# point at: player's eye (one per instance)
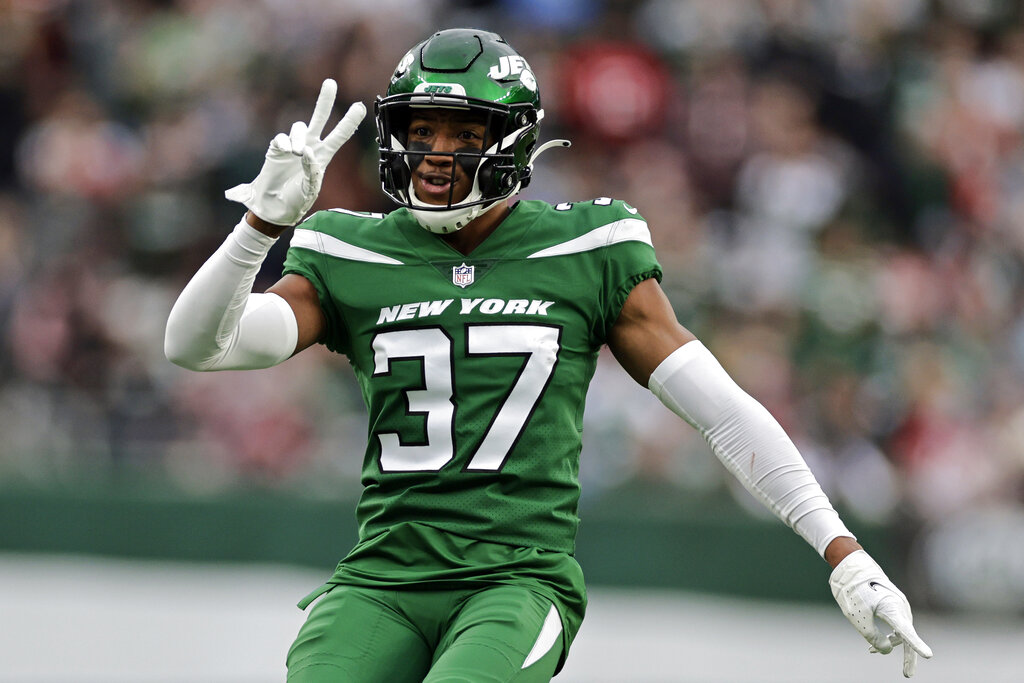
(419, 131)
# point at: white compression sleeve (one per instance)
(217, 324)
(748, 440)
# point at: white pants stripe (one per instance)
(549, 633)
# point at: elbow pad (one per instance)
(218, 324)
(266, 334)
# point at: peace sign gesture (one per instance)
(293, 170)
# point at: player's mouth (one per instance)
(434, 187)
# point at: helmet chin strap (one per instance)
(456, 218)
(444, 222)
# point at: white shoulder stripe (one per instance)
(625, 230)
(332, 246)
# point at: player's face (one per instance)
(436, 177)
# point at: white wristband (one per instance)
(748, 440)
(218, 324)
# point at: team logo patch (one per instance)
(462, 275)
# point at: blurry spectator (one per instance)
(76, 150)
(613, 92)
(796, 179)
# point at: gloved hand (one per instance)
(865, 594)
(293, 171)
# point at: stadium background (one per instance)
(835, 189)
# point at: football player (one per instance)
(473, 326)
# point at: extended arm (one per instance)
(660, 353)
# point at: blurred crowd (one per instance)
(835, 189)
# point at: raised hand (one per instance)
(293, 169)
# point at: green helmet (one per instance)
(463, 69)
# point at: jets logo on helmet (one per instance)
(467, 70)
(437, 90)
(513, 66)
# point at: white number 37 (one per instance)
(537, 344)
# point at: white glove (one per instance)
(290, 179)
(865, 594)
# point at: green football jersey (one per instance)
(474, 369)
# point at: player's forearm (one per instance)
(749, 442)
(217, 324)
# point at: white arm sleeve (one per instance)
(748, 440)
(217, 324)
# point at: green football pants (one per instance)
(365, 635)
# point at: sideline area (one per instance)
(76, 619)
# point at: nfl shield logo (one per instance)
(462, 275)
